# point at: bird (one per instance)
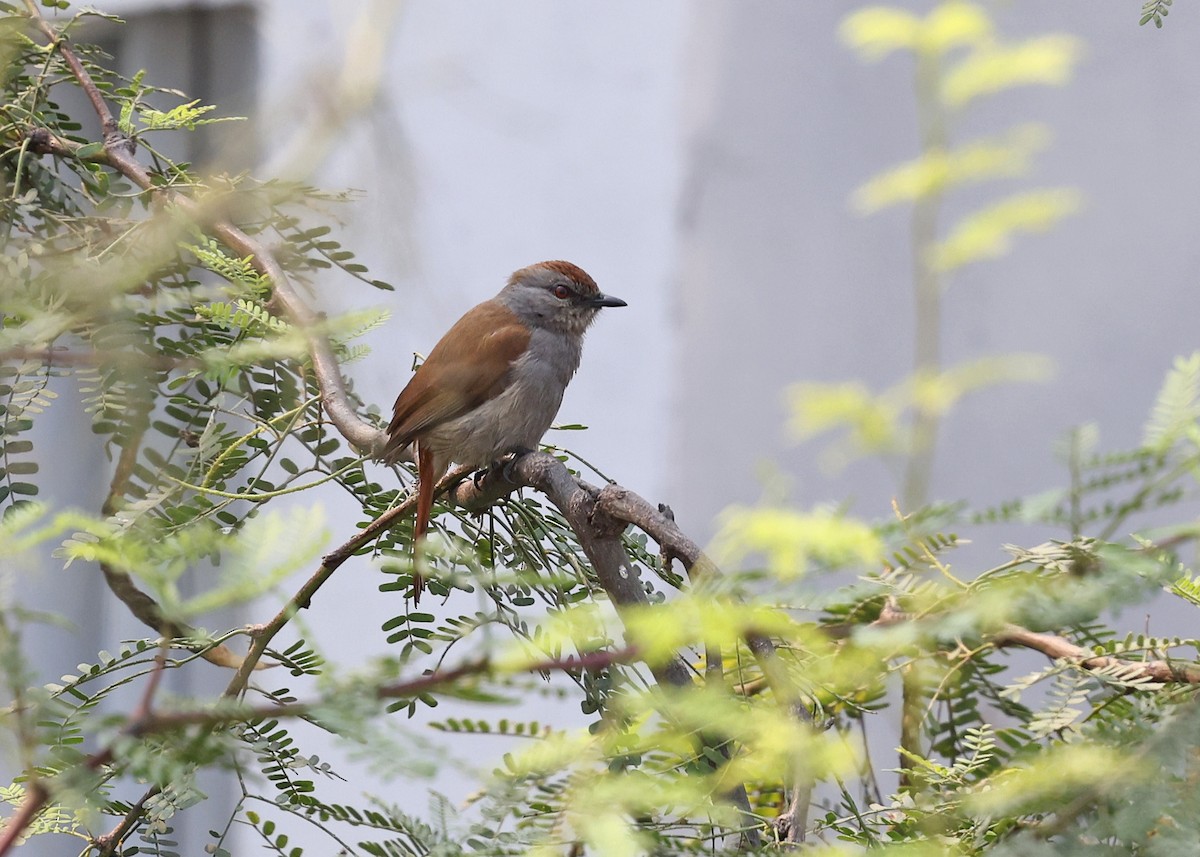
(493, 383)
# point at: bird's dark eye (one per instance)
(562, 292)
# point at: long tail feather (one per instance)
(426, 478)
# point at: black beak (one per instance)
(602, 299)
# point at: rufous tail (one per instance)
(425, 484)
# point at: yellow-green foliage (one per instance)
(1054, 779)
(269, 548)
(876, 423)
(959, 58)
(987, 233)
(877, 31)
(791, 541)
(937, 171)
(958, 41)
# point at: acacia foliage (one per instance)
(206, 402)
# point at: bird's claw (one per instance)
(503, 466)
(509, 462)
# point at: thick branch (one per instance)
(112, 132)
(599, 517)
(43, 142)
(599, 533)
(600, 514)
(659, 524)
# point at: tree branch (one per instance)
(43, 142)
(109, 842)
(599, 532)
(113, 138)
(1060, 648)
(284, 300)
(399, 690)
(143, 721)
(598, 516)
(263, 634)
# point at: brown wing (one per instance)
(467, 367)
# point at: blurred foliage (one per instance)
(206, 401)
(874, 422)
(958, 58)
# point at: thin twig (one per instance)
(263, 634)
(109, 842)
(64, 357)
(1059, 648)
(401, 690)
(144, 722)
(145, 706)
(38, 794)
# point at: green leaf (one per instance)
(1177, 405)
(89, 150)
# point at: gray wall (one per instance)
(778, 281)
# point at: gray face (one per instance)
(555, 295)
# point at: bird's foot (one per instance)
(502, 466)
(509, 461)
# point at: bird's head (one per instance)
(556, 295)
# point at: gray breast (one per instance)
(521, 414)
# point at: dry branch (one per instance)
(1060, 648)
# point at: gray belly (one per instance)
(515, 419)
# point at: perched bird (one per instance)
(492, 385)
